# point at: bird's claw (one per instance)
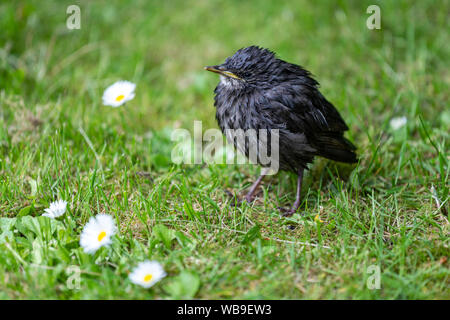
(287, 212)
(238, 201)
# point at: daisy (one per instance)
(147, 273)
(97, 233)
(56, 209)
(118, 93)
(398, 122)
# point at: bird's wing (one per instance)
(302, 108)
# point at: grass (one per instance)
(58, 141)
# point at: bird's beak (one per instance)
(222, 71)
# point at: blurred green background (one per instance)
(163, 45)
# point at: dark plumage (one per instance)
(259, 91)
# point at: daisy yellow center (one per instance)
(101, 236)
(120, 98)
(148, 277)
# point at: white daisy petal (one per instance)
(97, 233)
(147, 273)
(118, 93)
(56, 209)
(398, 122)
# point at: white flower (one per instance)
(397, 123)
(56, 209)
(97, 233)
(118, 93)
(147, 273)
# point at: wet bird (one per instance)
(258, 91)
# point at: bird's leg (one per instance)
(296, 205)
(251, 193)
(250, 196)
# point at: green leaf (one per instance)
(26, 211)
(6, 226)
(63, 254)
(37, 251)
(164, 234)
(40, 227)
(184, 286)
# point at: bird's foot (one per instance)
(287, 212)
(238, 201)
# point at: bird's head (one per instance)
(251, 66)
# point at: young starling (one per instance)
(259, 91)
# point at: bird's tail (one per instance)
(335, 147)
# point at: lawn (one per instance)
(388, 213)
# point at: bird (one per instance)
(259, 91)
